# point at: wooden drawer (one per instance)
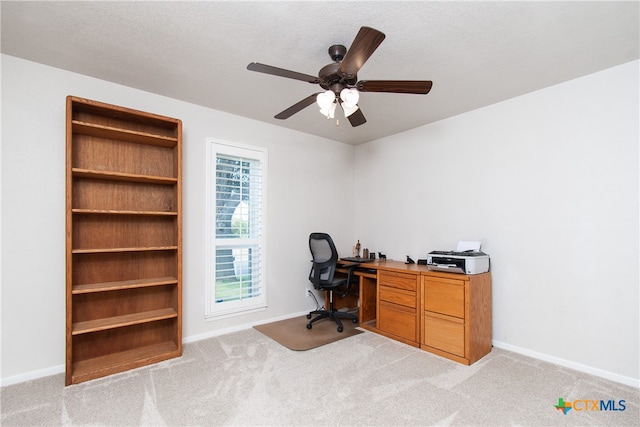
(444, 333)
(398, 296)
(398, 320)
(444, 296)
(404, 281)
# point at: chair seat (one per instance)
(333, 285)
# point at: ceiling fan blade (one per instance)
(420, 87)
(281, 72)
(357, 118)
(297, 107)
(366, 42)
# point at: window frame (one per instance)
(212, 308)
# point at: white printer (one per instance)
(465, 262)
(466, 259)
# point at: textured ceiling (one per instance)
(476, 53)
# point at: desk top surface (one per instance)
(387, 265)
(400, 266)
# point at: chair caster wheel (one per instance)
(309, 316)
(308, 325)
(340, 329)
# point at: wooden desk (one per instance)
(444, 313)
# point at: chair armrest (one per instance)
(350, 267)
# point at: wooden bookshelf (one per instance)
(124, 239)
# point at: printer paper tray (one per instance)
(448, 269)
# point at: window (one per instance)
(236, 211)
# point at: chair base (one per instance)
(331, 314)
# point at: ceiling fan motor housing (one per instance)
(330, 76)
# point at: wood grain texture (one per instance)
(123, 239)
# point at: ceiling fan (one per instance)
(340, 80)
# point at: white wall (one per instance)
(549, 183)
(33, 210)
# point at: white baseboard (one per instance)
(33, 375)
(633, 382)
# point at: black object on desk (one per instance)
(356, 259)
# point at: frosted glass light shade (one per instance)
(325, 99)
(349, 97)
(330, 111)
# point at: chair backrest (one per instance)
(325, 258)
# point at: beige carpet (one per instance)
(293, 333)
(247, 379)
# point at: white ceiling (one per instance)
(476, 53)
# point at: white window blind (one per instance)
(236, 231)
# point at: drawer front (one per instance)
(444, 334)
(404, 281)
(398, 320)
(398, 296)
(445, 297)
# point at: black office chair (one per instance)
(325, 259)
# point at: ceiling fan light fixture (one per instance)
(325, 99)
(330, 111)
(349, 97)
(327, 104)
